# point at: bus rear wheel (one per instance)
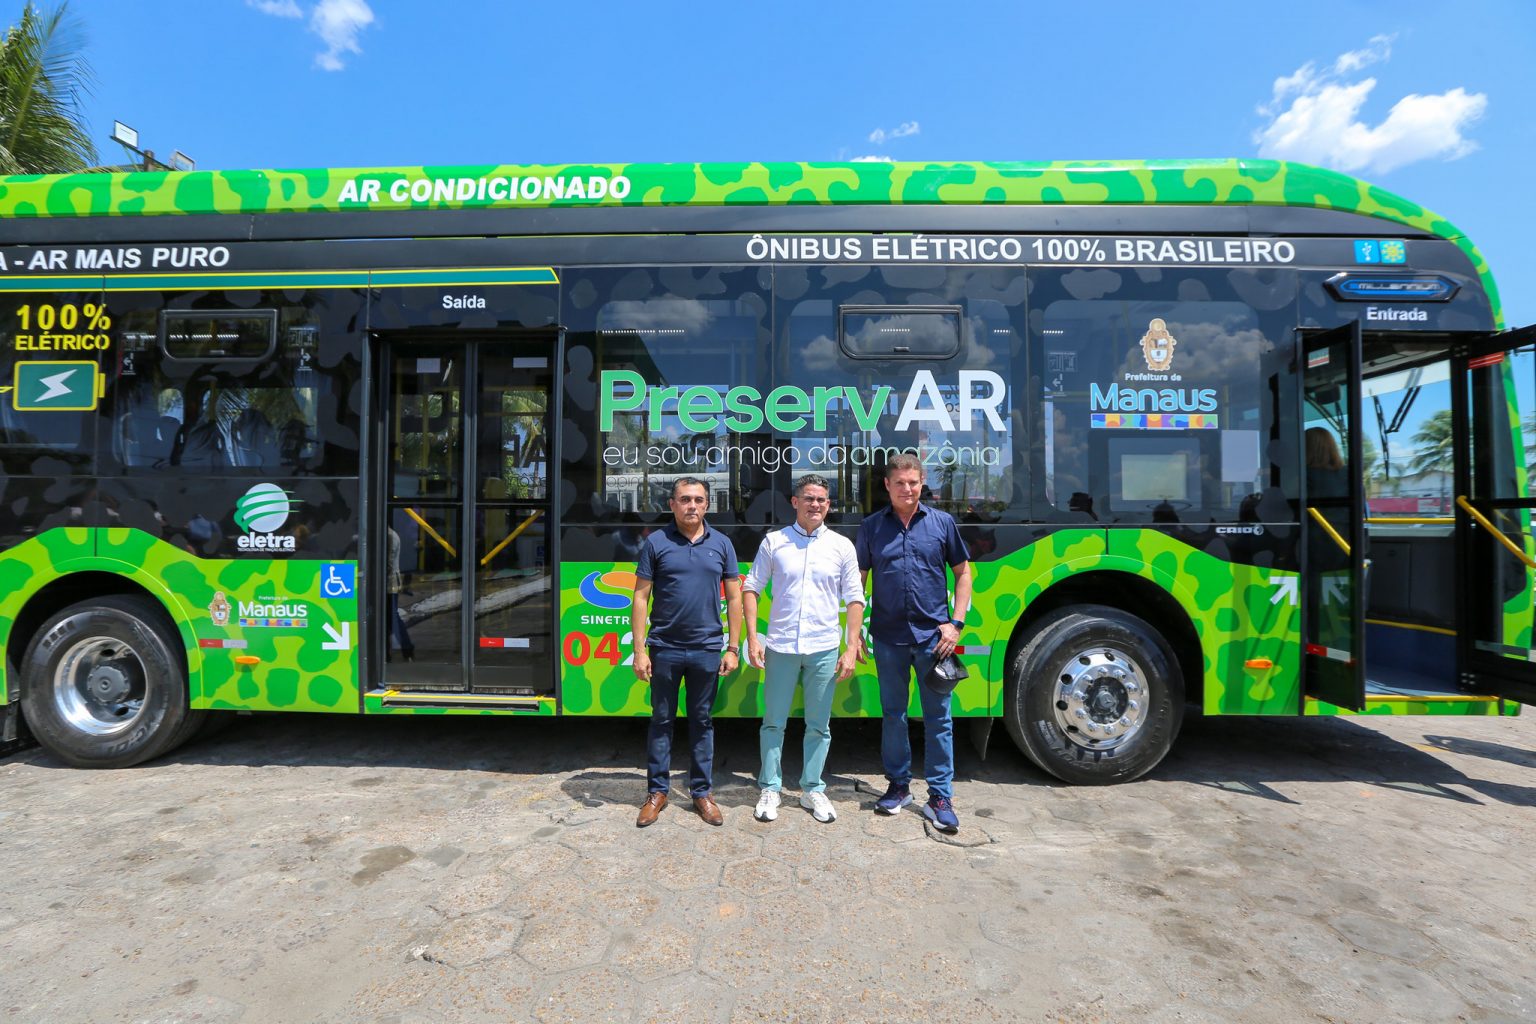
(1095, 696)
(104, 686)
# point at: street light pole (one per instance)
(128, 138)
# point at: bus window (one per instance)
(1155, 411)
(219, 414)
(34, 438)
(1406, 444)
(949, 399)
(669, 349)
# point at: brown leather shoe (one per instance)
(708, 809)
(651, 809)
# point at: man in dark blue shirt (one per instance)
(685, 565)
(906, 549)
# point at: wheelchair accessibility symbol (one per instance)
(338, 580)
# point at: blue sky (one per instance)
(1434, 101)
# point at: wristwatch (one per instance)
(732, 650)
(957, 623)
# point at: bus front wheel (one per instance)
(1095, 696)
(104, 685)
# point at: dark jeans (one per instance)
(698, 671)
(896, 664)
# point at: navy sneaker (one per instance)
(941, 812)
(896, 797)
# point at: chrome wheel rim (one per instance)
(99, 686)
(1100, 698)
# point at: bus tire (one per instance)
(104, 684)
(1095, 696)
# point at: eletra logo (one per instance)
(261, 512)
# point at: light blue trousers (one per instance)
(781, 674)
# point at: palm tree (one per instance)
(1371, 470)
(43, 76)
(1433, 448)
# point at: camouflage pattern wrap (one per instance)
(1090, 183)
(1474, 706)
(374, 704)
(1233, 609)
(597, 658)
(1231, 606)
(294, 672)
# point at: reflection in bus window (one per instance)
(1406, 441)
(1153, 408)
(958, 413)
(219, 415)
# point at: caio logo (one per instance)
(260, 513)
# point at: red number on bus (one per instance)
(608, 648)
(578, 648)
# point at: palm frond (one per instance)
(43, 77)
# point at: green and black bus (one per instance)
(1240, 434)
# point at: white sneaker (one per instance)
(767, 806)
(820, 807)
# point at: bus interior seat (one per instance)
(146, 438)
(200, 446)
(253, 440)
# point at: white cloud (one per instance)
(880, 136)
(277, 8)
(1314, 117)
(338, 23)
(1377, 51)
(874, 159)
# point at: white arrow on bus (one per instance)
(1285, 587)
(338, 641)
(55, 385)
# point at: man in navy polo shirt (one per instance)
(684, 566)
(906, 548)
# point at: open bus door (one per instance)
(1493, 386)
(1333, 519)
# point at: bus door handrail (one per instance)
(509, 538)
(1328, 527)
(1498, 535)
(431, 532)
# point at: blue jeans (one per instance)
(698, 671)
(895, 663)
(781, 674)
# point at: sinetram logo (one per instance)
(261, 512)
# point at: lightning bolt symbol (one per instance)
(55, 385)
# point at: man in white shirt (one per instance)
(814, 573)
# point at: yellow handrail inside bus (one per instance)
(509, 538)
(1328, 527)
(1498, 535)
(432, 533)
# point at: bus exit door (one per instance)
(1493, 389)
(1333, 519)
(466, 551)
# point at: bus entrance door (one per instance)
(467, 548)
(1333, 520)
(1492, 380)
